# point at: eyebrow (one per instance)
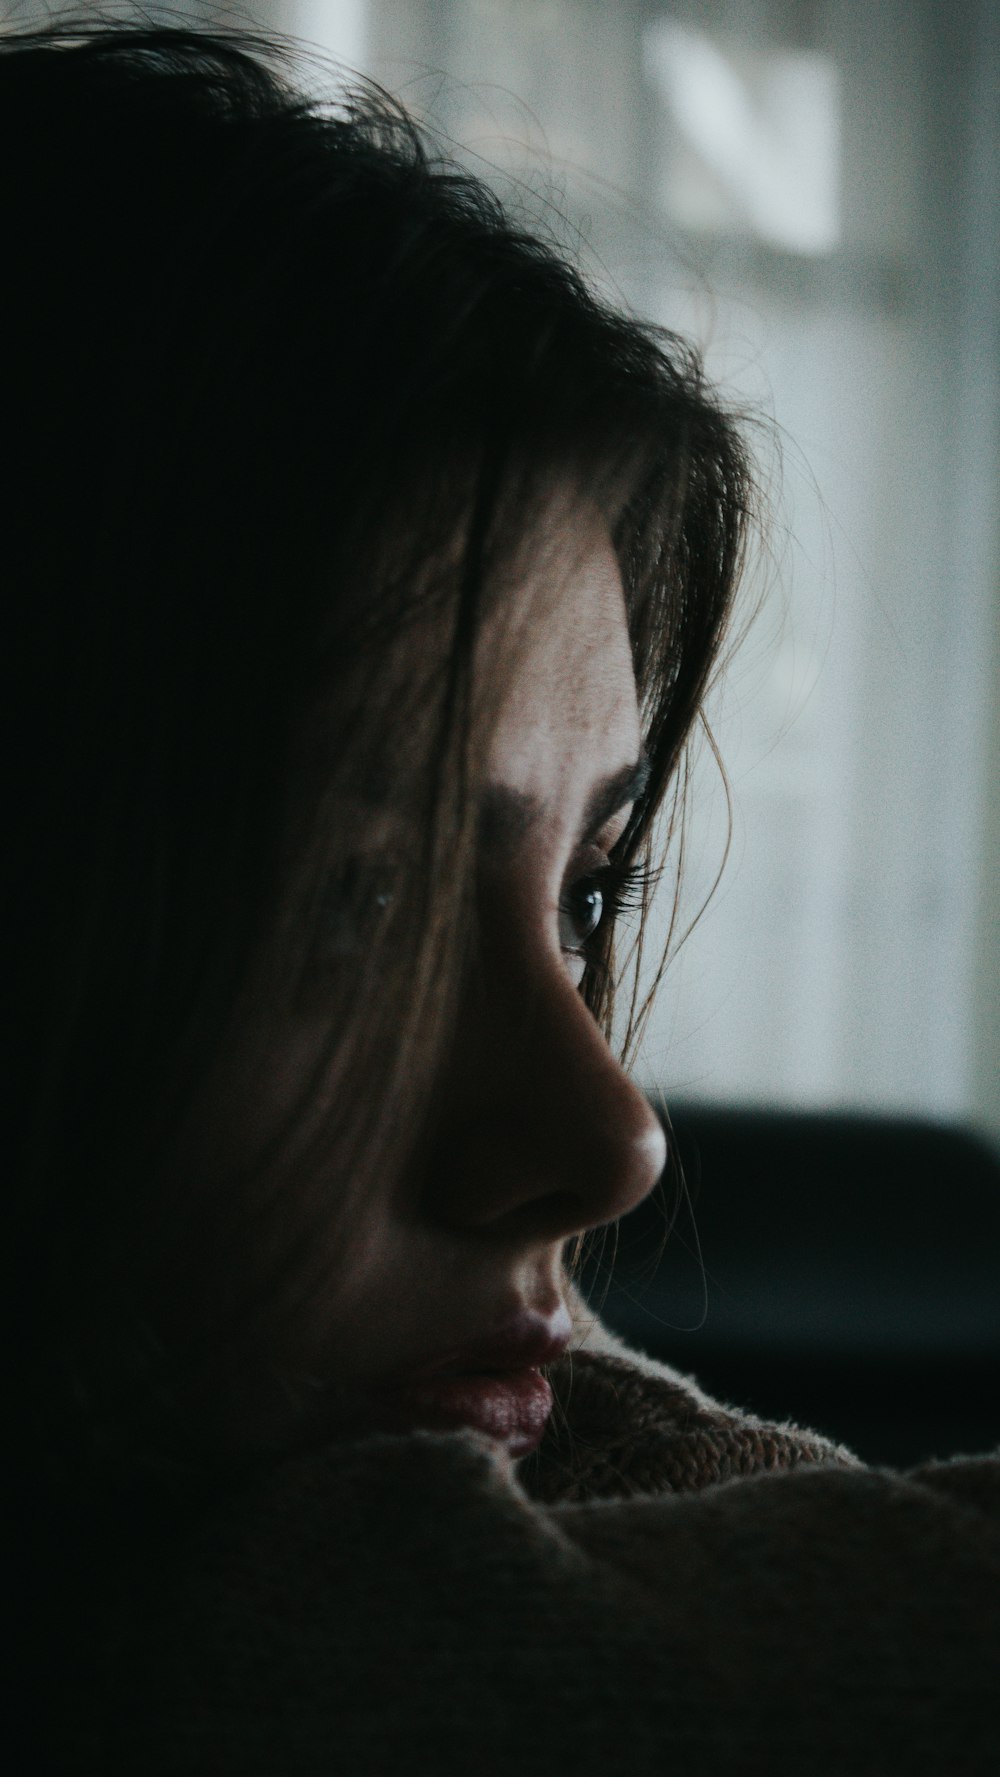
(506, 815)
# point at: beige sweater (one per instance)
(668, 1587)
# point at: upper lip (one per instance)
(523, 1341)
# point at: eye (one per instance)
(355, 903)
(580, 913)
(595, 901)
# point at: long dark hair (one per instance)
(286, 397)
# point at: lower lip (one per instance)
(512, 1406)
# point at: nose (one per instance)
(543, 1135)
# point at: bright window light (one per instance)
(338, 27)
(761, 138)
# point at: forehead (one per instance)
(555, 686)
(571, 697)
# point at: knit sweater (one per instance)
(668, 1586)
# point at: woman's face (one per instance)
(446, 1290)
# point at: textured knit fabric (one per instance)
(667, 1587)
(619, 1430)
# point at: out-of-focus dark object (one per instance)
(840, 1270)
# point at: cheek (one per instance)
(328, 1215)
(256, 1098)
(245, 1195)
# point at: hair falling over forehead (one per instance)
(289, 400)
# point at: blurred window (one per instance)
(755, 138)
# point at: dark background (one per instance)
(841, 1271)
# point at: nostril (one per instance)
(503, 1187)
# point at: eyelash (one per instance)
(621, 886)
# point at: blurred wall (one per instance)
(984, 1089)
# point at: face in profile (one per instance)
(444, 1289)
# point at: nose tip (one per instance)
(649, 1157)
(623, 1154)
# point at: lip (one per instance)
(492, 1384)
(511, 1406)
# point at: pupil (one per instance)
(585, 917)
(594, 905)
